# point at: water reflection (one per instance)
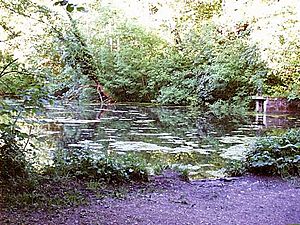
(175, 135)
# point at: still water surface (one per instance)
(178, 136)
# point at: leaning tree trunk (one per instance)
(84, 59)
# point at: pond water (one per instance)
(178, 136)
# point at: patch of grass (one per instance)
(235, 168)
(93, 185)
(72, 180)
(47, 194)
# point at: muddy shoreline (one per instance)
(167, 199)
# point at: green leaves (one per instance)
(61, 3)
(82, 164)
(276, 155)
(80, 9)
(70, 7)
(272, 155)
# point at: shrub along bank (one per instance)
(272, 155)
(69, 180)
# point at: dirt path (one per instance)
(169, 200)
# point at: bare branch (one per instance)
(14, 71)
(5, 67)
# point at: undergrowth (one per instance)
(73, 178)
(113, 168)
(272, 155)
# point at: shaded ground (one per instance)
(169, 200)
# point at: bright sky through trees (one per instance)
(176, 36)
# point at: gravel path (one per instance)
(169, 200)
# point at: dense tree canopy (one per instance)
(212, 53)
(172, 52)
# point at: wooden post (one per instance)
(260, 106)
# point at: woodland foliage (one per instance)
(168, 52)
(272, 155)
(172, 52)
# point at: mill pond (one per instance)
(196, 142)
(179, 137)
